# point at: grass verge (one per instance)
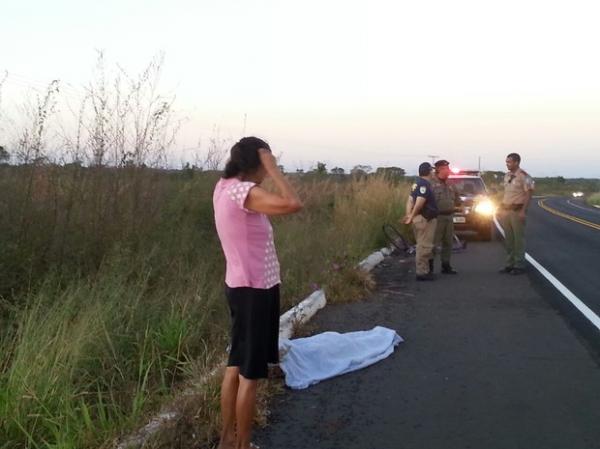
(111, 292)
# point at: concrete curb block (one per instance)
(305, 310)
(387, 251)
(299, 314)
(371, 261)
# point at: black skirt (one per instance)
(254, 329)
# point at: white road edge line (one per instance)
(581, 207)
(578, 303)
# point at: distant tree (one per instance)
(337, 171)
(393, 172)
(361, 170)
(321, 168)
(282, 168)
(299, 171)
(74, 164)
(188, 170)
(40, 160)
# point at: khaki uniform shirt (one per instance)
(446, 196)
(516, 187)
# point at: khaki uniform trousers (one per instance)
(424, 234)
(514, 230)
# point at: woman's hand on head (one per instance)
(286, 201)
(267, 160)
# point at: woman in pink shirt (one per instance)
(252, 281)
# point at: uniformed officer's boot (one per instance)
(447, 269)
(431, 265)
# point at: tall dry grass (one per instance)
(111, 289)
(341, 224)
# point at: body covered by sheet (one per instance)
(307, 361)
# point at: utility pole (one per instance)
(479, 165)
(433, 158)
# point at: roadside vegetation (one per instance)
(111, 283)
(557, 185)
(594, 199)
(566, 186)
(111, 274)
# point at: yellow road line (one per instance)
(568, 217)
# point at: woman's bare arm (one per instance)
(286, 201)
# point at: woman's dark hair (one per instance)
(244, 156)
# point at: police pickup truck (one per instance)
(476, 212)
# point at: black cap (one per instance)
(425, 168)
(441, 163)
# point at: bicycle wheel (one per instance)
(395, 238)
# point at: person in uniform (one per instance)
(446, 198)
(518, 188)
(421, 211)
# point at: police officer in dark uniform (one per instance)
(447, 198)
(421, 211)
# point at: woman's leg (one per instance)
(245, 407)
(229, 393)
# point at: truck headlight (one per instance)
(485, 207)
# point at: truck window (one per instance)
(468, 186)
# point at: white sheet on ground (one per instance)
(308, 361)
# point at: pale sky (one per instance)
(344, 82)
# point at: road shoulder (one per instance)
(487, 362)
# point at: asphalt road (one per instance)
(488, 362)
(566, 247)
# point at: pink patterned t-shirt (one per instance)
(246, 237)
